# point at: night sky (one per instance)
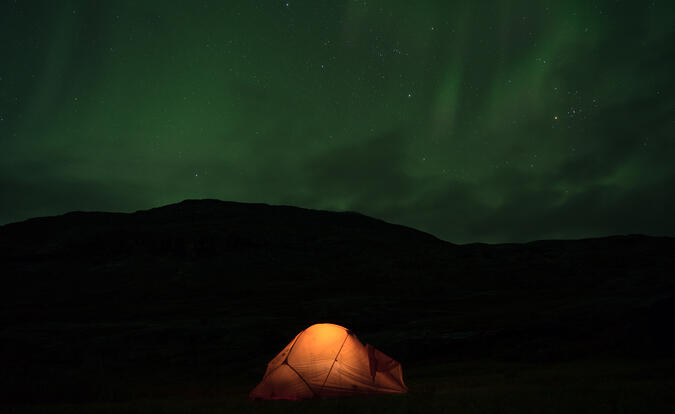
(491, 121)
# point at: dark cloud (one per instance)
(367, 174)
(25, 198)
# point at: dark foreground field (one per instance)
(609, 386)
(178, 309)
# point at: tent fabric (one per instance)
(327, 360)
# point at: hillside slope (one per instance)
(213, 289)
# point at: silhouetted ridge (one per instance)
(199, 227)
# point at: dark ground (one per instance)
(179, 308)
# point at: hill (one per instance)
(113, 306)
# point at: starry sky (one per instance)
(482, 121)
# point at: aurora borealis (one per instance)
(475, 121)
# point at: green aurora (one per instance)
(490, 121)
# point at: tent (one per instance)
(327, 360)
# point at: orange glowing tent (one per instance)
(327, 360)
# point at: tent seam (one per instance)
(295, 341)
(334, 360)
(303, 380)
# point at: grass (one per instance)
(612, 386)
